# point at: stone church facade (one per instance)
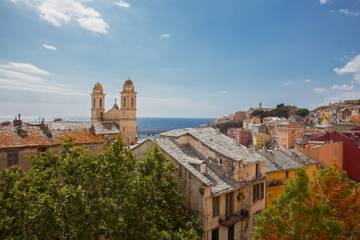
(124, 116)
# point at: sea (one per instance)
(144, 123)
(166, 124)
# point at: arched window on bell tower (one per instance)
(94, 102)
(100, 102)
(132, 102)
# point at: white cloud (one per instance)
(307, 80)
(350, 95)
(59, 12)
(29, 78)
(223, 92)
(349, 12)
(321, 90)
(343, 87)
(122, 4)
(24, 68)
(322, 2)
(50, 47)
(289, 83)
(165, 35)
(351, 67)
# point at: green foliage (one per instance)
(326, 209)
(225, 126)
(302, 112)
(259, 113)
(78, 195)
(281, 110)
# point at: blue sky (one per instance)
(202, 58)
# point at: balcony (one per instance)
(234, 218)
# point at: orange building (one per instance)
(286, 134)
(327, 153)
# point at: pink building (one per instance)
(242, 136)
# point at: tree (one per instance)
(78, 195)
(259, 113)
(155, 197)
(225, 126)
(343, 197)
(328, 208)
(302, 112)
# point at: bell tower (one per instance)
(128, 109)
(97, 102)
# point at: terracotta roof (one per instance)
(34, 136)
(80, 137)
(10, 138)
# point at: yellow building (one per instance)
(355, 114)
(280, 167)
(261, 139)
(325, 117)
(256, 120)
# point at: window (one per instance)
(94, 102)
(215, 234)
(132, 102)
(258, 192)
(124, 101)
(100, 102)
(229, 204)
(221, 161)
(12, 158)
(216, 205)
(257, 171)
(231, 233)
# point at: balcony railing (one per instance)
(234, 218)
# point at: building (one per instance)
(19, 141)
(325, 152)
(258, 128)
(242, 136)
(286, 134)
(261, 140)
(280, 167)
(124, 117)
(350, 150)
(249, 122)
(222, 181)
(355, 114)
(239, 116)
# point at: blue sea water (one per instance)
(161, 124)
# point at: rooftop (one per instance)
(192, 161)
(279, 161)
(52, 133)
(218, 142)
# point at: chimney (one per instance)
(17, 121)
(203, 168)
(45, 128)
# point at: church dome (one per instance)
(98, 87)
(128, 83)
(128, 86)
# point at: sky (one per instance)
(203, 58)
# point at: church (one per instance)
(124, 116)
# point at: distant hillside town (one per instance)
(329, 134)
